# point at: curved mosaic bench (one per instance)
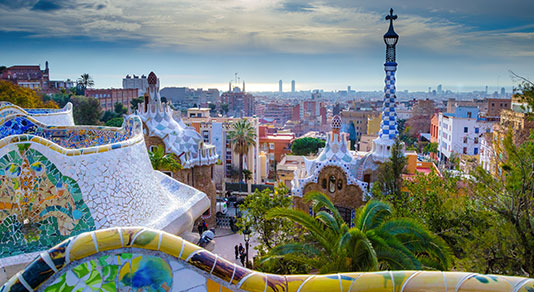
(138, 259)
(52, 191)
(71, 137)
(58, 117)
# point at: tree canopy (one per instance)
(86, 110)
(23, 97)
(378, 241)
(306, 146)
(242, 135)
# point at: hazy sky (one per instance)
(462, 44)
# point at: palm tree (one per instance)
(86, 81)
(247, 174)
(162, 161)
(242, 136)
(376, 242)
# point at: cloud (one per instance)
(47, 5)
(270, 26)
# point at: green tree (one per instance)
(61, 98)
(86, 81)
(247, 175)
(23, 97)
(242, 136)
(86, 110)
(115, 122)
(511, 196)
(108, 115)
(134, 103)
(431, 148)
(306, 146)
(224, 108)
(120, 109)
(162, 161)
(389, 178)
(377, 242)
(525, 92)
(212, 107)
(269, 231)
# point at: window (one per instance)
(332, 184)
(476, 130)
(152, 148)
(475, 151)
(465, 150)
(469, 115)
(323, 183)
(339, 184)
(465, 140)
(476, 140)
(465, 129)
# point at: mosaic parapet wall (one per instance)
(138, 259)
(57, 117)
(92, 178)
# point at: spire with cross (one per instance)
(388, 126)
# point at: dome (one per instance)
(152, 78)
(336, 122)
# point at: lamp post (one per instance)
(246, 236)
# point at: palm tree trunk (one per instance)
(240, 167)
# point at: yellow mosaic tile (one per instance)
(485, 283)
(83, 246)
(373, 282)
(255, 282)
(322, 283)
(430, 280)
(188, 249)
(294, 281)
(171, 244)
(108, 239)
(147, 239)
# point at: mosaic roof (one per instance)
(179, 139)
(335, 153)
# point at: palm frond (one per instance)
(315, 228)
(373, 214)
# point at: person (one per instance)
(200, 228)
(242, 258)
(241, 248)
(236, 249)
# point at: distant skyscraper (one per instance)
(429, 89)
(440, 91)
(486, 89)
(348, 89)
(292, 85)
(280, 86)
(503, 91)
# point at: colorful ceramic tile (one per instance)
(39, 206)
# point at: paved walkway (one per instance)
(225, 240)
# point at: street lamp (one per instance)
(246, 236)
(391, 38)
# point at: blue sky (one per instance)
(463, 45)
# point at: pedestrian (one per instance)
(242, 258)
(241, 248)
(200, 229)
(236, 248)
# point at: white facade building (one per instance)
(140, 83)
(461, 132)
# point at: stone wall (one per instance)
(348, 196)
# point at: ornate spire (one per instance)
(388, 126)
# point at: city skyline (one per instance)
(319, 45)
